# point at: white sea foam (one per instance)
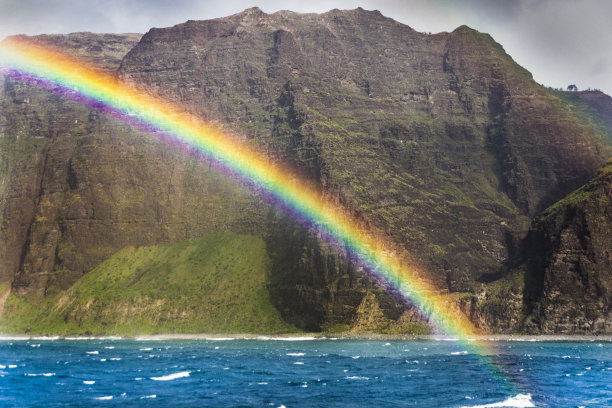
(148, 396)
(46, 338)
(89, 382)
(2, 367)
(219, 338)
(93, 352)
(34, 345)
(304, 338)
(262, 383)
(108, 397)
(146, 349)
(355, 357)
(110, 347)
(456, 353)
(80, 338)
(171, 377)
(519, 401)
(37, 375)
(12, 366)
(356, 377)
(299, 363)
(102, 359)
(115, 358)
(295, 354)
(14, 338)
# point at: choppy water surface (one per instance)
(300, 373)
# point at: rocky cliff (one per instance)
(441, 141)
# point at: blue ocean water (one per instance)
(268, 372)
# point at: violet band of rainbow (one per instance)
(368, 248)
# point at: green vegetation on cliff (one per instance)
(216, 284)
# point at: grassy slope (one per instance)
(214, 284)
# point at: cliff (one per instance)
(441, 141)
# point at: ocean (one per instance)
(302, 372)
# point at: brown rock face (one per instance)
(439, 141)
(570, 269)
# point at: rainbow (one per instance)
(367, 247)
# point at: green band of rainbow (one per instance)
(369, 247)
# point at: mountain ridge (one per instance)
(449, 157)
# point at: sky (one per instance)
(561, 42)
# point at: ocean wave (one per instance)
(173, 376)
(295, 354)
(304, 338)
(108, 397)
(519, 401)
(46, 338)
(356, 377)
(457, 353)
(220, 338)
(148, 396)
(14, 338)
(39, 375)
(89, 382)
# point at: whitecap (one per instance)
(355, 357)
(36, 375)
(148, 396)
(387, 344)
(173, 376)
(108, 397)
(138, 378)
(115, 358)
(519, 401)
(262, 383)
(12, 366)
(110, 347)
(2, 367)
(89, 382)
(356, 377)
(298, 363)
(146, 349)
(456, 353)
(295, 354)
(34, 345)
(93, 352)
(103, 359)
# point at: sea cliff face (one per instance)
(440, 141)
